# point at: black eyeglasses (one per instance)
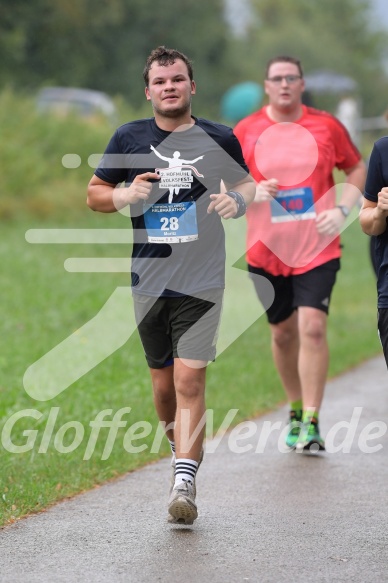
(290, 79)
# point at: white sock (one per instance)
(185, 470)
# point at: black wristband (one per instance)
(241, 204)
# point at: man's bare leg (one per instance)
(164, 397)
(189, 432)
(313, 356)
(285, 351)
(190, 410)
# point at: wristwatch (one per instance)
(344, 209)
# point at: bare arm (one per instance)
(266, 190)
(226, 206)
(246, 188)
(331, 221)
(108, 198)
(373, 216)
(355, 182)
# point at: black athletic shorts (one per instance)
(382, 325)
(181, 327)
(311, 289)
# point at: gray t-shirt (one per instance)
(178, 247)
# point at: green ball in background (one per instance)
(241, 100)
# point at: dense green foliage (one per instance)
(339, 36)
(34, 179)
(103, 45)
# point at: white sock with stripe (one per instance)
(185, 470)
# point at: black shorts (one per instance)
(311, 289)
(382, 325)
(181, 327)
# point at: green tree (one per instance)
(103, 45)
(324, 34)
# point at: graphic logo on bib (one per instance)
(179, 173)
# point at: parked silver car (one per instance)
(85, 102)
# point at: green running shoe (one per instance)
(294, 424)
(309, 440)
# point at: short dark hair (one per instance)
(166, 57)
(284, 59)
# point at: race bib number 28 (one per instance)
(171, 223)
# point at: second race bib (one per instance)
(296, 203)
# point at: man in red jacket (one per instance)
(293, 232)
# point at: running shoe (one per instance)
(182, 508)
(294, 431)
(310, 440)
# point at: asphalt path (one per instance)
(265, 515)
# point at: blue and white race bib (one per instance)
(171, 223)
(296, 203)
